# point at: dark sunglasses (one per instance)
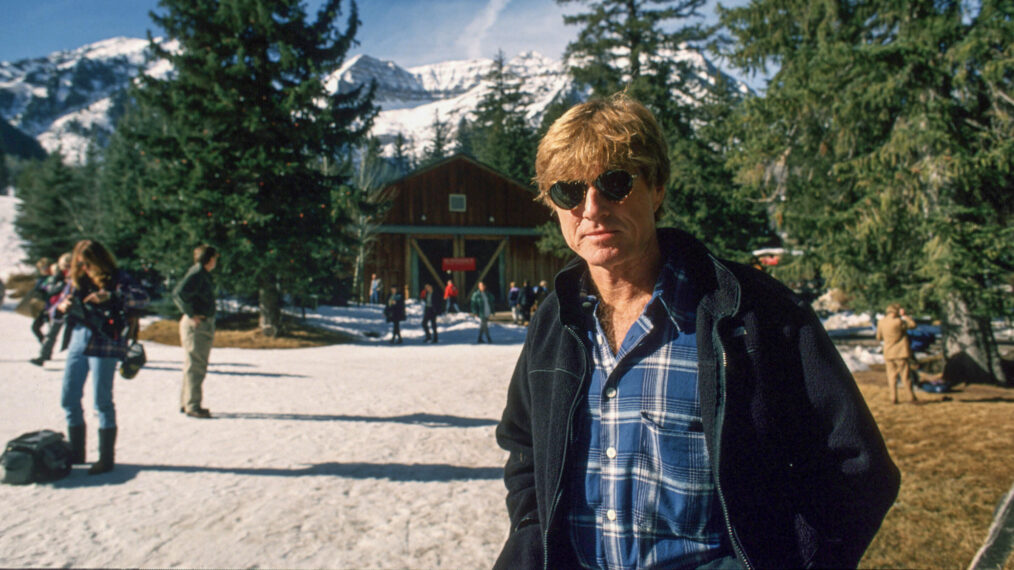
(615, 185)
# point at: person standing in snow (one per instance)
(526, 300)
(94, 303)
(450, 298)
(669, 409)
(431, 308)
(57, 281)
(892, 330)
(41, 291)
(195, 297)
(513, 296)
(376, 285)
(394, 313)
(482, 306)
(540, 291)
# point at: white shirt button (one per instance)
(611, 515)
(611, 393)
(611, 452)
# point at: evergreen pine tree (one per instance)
(246, 130)
(401, 158)
(123, 182)
(367, 206)
(57, 207)
(703, 197)
(437, 148)
(884, 143)
(464, 138)
(621, 41)
(502, 138)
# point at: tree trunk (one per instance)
(970, 348)
(270, 309)
(357, 275)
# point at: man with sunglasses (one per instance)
(670, 409)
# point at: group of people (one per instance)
(524, 299)
(480, 305)
(48, 287)
(95, 303)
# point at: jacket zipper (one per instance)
(736, 546)
(566, 444)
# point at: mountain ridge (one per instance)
(70, 98)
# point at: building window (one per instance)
(458, 203)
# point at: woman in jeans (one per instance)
(94, 303)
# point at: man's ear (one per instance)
(659, 197)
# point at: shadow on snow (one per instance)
(415, 472)
(428, 420)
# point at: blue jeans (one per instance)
(74, 374)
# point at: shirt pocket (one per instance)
(678, 490)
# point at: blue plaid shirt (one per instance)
(641, 490)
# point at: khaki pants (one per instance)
(896, 367)
(196, 338)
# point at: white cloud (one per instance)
(475, 32)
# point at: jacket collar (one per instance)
(715, 284)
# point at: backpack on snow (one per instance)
(36, 457)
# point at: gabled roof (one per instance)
(460, 157)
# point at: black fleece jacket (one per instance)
(803, 475)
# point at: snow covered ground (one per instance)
(12, 253)
(356, 456)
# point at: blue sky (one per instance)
(408, 32)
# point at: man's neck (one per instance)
(623, 294)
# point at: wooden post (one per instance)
(426, 262)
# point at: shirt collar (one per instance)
(675, 294)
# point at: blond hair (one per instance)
(598, 135)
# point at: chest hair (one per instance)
(616, 321)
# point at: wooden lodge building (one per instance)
(460, 219)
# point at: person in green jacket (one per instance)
(482, 307)
(195, 296)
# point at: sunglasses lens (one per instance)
(615, 184)
(567, 195)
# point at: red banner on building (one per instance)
(458, 264)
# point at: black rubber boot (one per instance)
(107, 442)
(76, 439)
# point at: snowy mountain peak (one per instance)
(70, 98)
(396, 88)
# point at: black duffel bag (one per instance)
(133, 361)
(36, 457)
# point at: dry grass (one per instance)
(240, 331)
(19, 284)
(956, 461)
(17, 287)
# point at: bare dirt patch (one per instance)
(241, 331)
